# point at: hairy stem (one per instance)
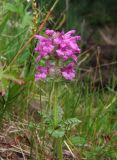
(58, 142)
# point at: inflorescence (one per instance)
(59, 51)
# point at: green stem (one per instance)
(58, 142)
(55, 109)
(60, 151)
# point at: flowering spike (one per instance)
(59, 47)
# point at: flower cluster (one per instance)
(59, 50)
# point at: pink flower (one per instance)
(49, 32)
(42, 73)
(70, 32)
(68, 72)
(67, 45)
(44, 46)
(64, 53)
(60, 47)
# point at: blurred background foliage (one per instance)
(96, 13)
